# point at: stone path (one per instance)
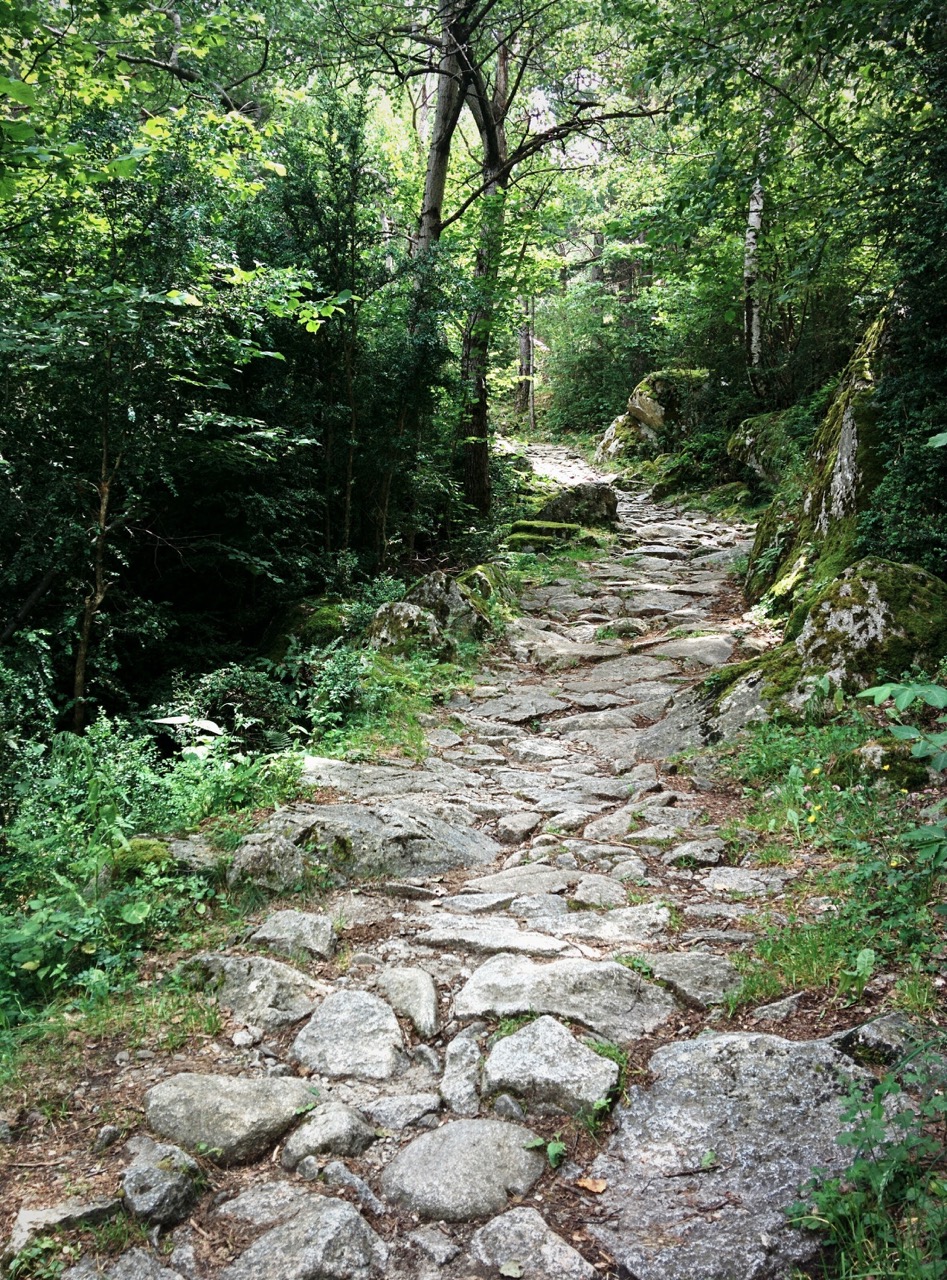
(550, 895)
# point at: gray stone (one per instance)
(887, 1039)
(778, 1011)
(352, 1033)
(269, 861)
(330, 1129)
(139, 1264)
(520, 1243)
(297, 933)
(538, 904)
(614, 826)
(544, 1063)
(531, 750)
(400, 627)
(507, 1108)
(335, 1174)
(738, 880)
(30, 1223)
(402, 1110)
(161, 1183)
(459, 1085)
(606, 997)
(476, 904)
(265, 1204)
(698, 977)
(769, 1110)
(705, 852)
(518, 708)
(621, 927)
(411, 992)
(328, 1240)
(392, 840)
(229, 1119)
(599, 891)
(513, 828)
(708, 651)
(533, 878)
(466, 1169)
(591, 503)
(265, 993)
(438, 1247)
(443, 738)
(107, 1136)
(629, 869)
(484, 935)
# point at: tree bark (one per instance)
(451, 88)
(525, 339)
(752, 327)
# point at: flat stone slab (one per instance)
(698, 977)
(465, 1169)
(352, 1033)
(519, 1243)
(537, 750)
(537, 878)
(621, 927)
(486, 935)
(260, 992)
(601, 995)
(264, 1204)
(599, 891)
(704, 852)
(753, 884)
(544, 1063)
(328, 1239)
(329, 1129)
(476, 904)
(297, 933)
(227, 1118)
(512, 828)
(709, 651)
(412, 993)
(521, 708)
(769, 1110)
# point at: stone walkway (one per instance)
(549, 897)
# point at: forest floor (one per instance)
(520, 1027)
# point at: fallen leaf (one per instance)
(511, 1268)
(597, 1185)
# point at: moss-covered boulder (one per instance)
(455, 607)
(661, 411)
(584, 504)
(887, 764)
(544, 535)
(405, 628)
(811, 537)
(877, 619)
(762, 444)
(488, 585)
(314, 623)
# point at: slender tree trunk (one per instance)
(96, 596)
(451, 88)
(752, 327)
(525, 339)
(532, 366)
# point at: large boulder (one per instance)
(402, 627)
(707, 1159)
(811, 537)
(585, 504)
(761, 443)
(454, 606)
(877, 617)
(355, 840)
(661, 410)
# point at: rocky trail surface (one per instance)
(540, 906)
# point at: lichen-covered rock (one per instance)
(539, 534)
(259, 991)
(402, 627)
(313, 622)
(161, 1183)
(455, 608)
(585, 504)
(762, 445)
(661, 410)
(810, 539)
(878, 616)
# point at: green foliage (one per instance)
(887, 1216)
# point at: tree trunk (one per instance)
(752, 328)
(525, 339)
(451, 89)
(93, 601)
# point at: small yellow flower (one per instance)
(886, 767)
(816, 771)
(895, 862)
(811, 818)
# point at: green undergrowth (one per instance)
(869, 898)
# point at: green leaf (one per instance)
(938, 441)
(135, 912)
(19, 91)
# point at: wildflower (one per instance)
(811, 818)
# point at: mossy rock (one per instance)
(455, 607)
(661, 411)
(775, 531)
(488, 584)
(844, 466)
(531, 542)
(547, 529)
(314, 623)
(877, 620)
(886, 764)
(762, 444)
(141, 852)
